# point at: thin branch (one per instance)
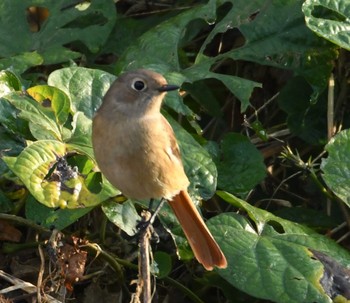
(23, 285)
(41, 272)
(144, 259)
(22, 221)
(330, 107)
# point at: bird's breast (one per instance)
(135, 156)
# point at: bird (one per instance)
(136, 149)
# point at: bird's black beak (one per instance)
(168, 87)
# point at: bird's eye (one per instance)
(139, 85)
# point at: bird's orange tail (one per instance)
(204, 247)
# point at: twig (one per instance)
(113, 261)
(41, 272)
(330, 107)
(144, 277)
(144, 259)
(257, 111)
(330, 121)
(20, 284)
(22, 221)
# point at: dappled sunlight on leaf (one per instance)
(336, 166)
(329, 19)
(261, 261)
(63, 187)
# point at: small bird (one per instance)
(136, 149)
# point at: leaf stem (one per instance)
(23, 221)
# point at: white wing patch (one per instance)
(172, 156)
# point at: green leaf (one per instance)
(306, 119)
(203, 94)
(9, 118)
(316, 219)
(336, 167)
(129, 29)
(43, 120)
(10, 145)
(81, 134)
(173, 226)
(199, 166)
(241, 88)
(292, 45)
(329, 19)
(270, 258)
(62, 26)
(165, 59)
(43, 170)
(52, 218)
(174, 100)
(5, 204)
(163, 264)
(52, 100)
(242, 165)
(85, 87)
(9, 82)
(21, 62)
(275, 34)
(123, 215)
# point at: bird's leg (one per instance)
(150, 204)
(156, 211)
(144, 224)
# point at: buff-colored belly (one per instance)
(140, 165)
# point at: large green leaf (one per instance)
(42, 121)
(123, 215)
(58, 218)
(329, 19)
(172, 225)
(127, 30)
(53, 100)
(272, 258)
(81, 134)
(277, 36)
(5, 203)
(306, 120)
(199, 166)
(85, 87)
(241, 166)
(165, 59)
(22, 61)
(9, 118)
(163, 56)
(336, 166)
(48, 113)
(10, 145)
(43, 169)
(9, 82)
(90, 24)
